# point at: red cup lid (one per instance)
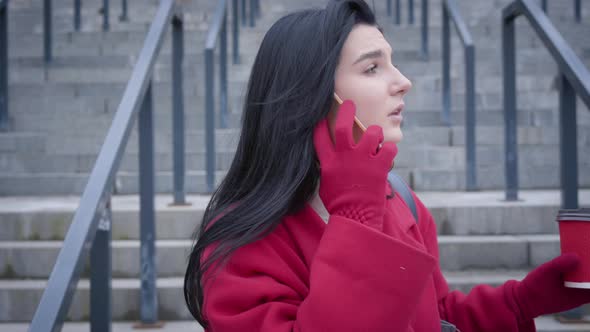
(582, 214)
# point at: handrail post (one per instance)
(578, 10)
(223, 121)
(100, 273)
(424, 30)
(411, 12)
(105, 15)
(47, 30)
(398, 14)
(178, 111)
(388, 7)
(77, 8)
(236, 32)
(4, 115)
(568, 144)
(252, 13)
(244, 17)
(149, 295)
(123, 16)
(210, 119)
(470, 119)
(257, 6)
(509, 74)
(446, 66)
(544, 5)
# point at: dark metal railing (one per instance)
(574, 79)
(47, 21)
(91, 224)
(123, 17)
(450, 12)
(105, 13)
(4, 115)
(218, 30)
(577, 9)
(424, 21)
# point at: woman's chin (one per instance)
(394, 136)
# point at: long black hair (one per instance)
(274, 171)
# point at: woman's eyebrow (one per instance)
(369, 55)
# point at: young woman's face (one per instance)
(366, 76)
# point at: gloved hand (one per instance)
(542, 291)
(353, 176)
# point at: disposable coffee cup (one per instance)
(574, 236)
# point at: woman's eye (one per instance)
(371, 70)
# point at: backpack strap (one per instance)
(402, 188)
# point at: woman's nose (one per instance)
(401, 84)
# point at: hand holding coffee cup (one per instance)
(574, 235)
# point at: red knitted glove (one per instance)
(542, 291)
(353, 176)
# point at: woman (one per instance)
(305, 234)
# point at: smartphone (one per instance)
(357, 132)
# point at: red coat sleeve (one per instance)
(359, 280)
(484, 308)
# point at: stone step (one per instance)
(427, 138)
(485, 213)
(492, 178)
(405, 38)
(93, 116)
(74, 183)
(543, 324)
(120, 70)
(535, 107)
(488, 104)
(406, 41)
(169, 326)
(14, 142)
(420, 179)
(431, 83)
(22, 296)
(120, 44)
(94, 127)
(411, 156)
(35, 259)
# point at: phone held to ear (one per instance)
(356, 120)
(359, 124)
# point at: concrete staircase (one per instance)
(482, 240)
(61, 114)
(74, 99)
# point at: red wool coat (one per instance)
(344, 276)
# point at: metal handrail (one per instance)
(105, 13)
(4, 115)
(424, 21)
(218, 30)
(574, 79)
(47, 22)
(91, 224)
(450, 12)
(577, 9)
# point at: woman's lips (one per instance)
(396, 114)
